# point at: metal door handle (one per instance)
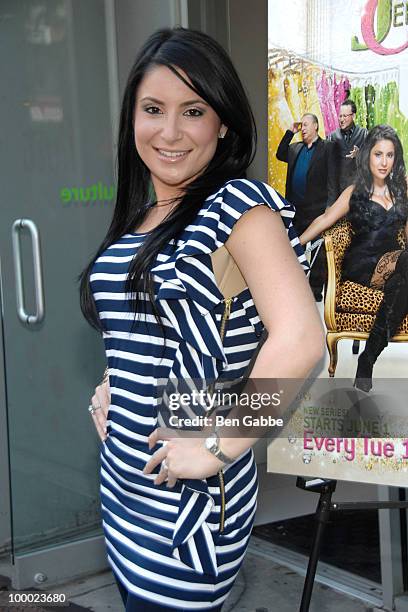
(18, 225)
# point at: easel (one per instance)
(325, 505)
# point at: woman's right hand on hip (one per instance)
(101, 401)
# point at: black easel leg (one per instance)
(322, 518)
(404, 535)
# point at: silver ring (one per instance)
(92, 409)
(164, 464)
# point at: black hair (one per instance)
(350, 103)
(314, 117)
(396, 180)
(213, 77)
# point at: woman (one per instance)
(178, 512)
(377, 207)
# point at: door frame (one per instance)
(5, 497)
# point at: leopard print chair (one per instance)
(349, 308)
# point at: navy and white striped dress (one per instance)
(165, 545)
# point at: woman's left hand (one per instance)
(183, 457)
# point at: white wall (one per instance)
(286, 24)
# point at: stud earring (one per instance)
(221, 134)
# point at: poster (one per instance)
(320, 53)
(341, 433)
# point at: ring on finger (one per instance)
(165, 464)
(92, 409)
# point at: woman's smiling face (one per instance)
(382, 159)
(176, 132)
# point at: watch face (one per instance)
(211, 443)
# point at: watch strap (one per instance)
(222, 457)
(215, 450)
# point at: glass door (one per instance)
(57, 197)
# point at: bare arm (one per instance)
(283, 299)
(261, 249)
(332, 214)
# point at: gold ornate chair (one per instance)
(349, 308)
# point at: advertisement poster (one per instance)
(320, 54)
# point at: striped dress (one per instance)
(167, 545)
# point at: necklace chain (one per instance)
(155, 204)
(384, 193)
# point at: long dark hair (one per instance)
(396, 180)
(214, 78)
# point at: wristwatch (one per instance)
(212, 444)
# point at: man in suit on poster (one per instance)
(348, 140)
(311, 183)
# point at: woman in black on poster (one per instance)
(377, 207)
